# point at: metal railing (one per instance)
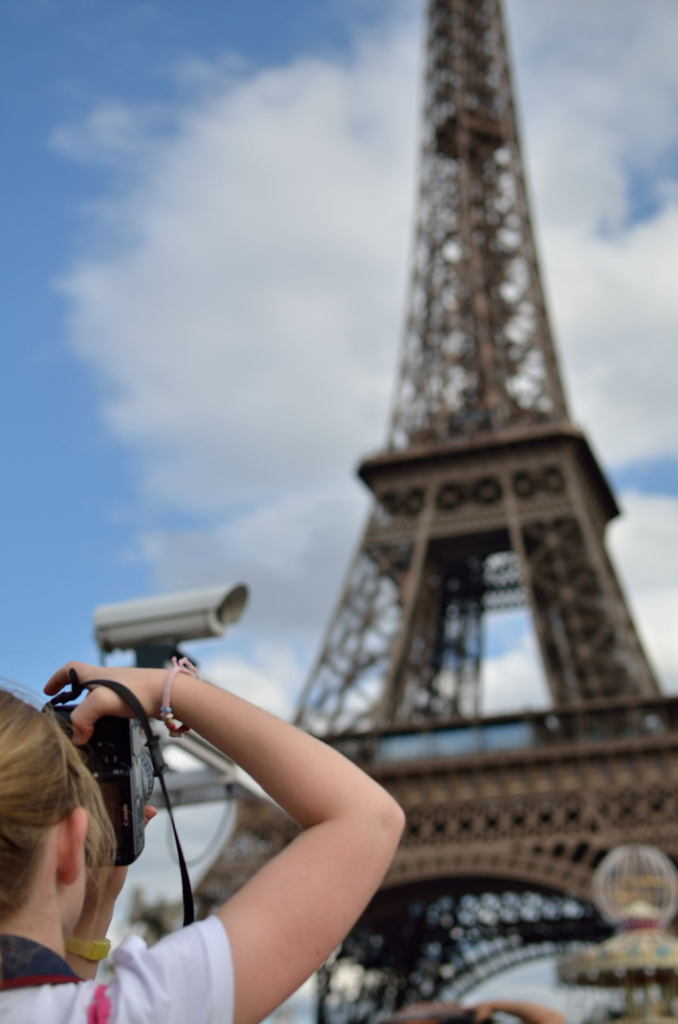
(590, 723)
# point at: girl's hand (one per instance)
(104, 890)
(483, 1012)
(145, 683)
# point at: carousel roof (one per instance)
(649, 952)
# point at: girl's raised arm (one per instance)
(292, 914)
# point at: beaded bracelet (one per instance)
(174, 727)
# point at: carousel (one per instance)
(634, 975)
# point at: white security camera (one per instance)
(169, 618)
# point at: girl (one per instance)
(235, 966)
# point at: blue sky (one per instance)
(207, 211)
(71, 504)
(74, 510)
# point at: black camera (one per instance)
(118, 758)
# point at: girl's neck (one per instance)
(40, 918)
(50, 912)
(47, 932)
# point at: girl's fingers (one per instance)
(149, 813)
(145, 683)
(99, 702)
(62, 678)
(57, 681)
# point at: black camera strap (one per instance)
(157, 760)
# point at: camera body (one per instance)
(118, 758)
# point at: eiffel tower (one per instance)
(487, 497)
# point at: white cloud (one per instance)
(618, 317)
(599, 92)
(292, 552)
(265, 678)
(644, 542)
(245, 327)
(112, 134)
(515, 679)
(601, 70)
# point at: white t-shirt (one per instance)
(186, 978)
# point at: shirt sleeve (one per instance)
(187, 976)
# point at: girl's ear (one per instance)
(70, 849)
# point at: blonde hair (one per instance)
(43, 777)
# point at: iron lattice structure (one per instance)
(486, 487)
(486, 497)
(473, 930)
